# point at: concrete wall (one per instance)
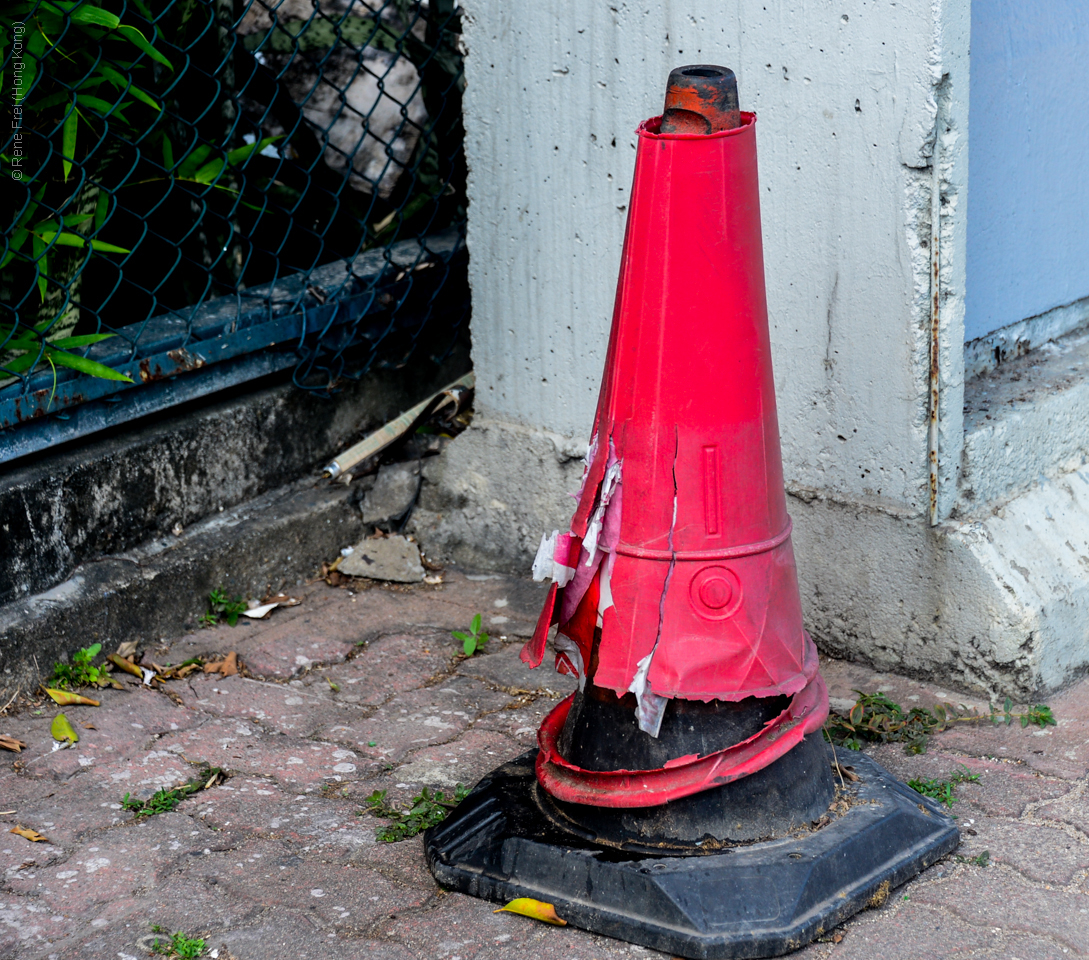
(846, 96)
(863, 137)
(1028, 220)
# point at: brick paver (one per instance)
(358, 690)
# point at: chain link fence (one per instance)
(207, 191)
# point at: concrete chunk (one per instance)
(391, 558)
(393, 492)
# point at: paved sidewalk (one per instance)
(353, 692)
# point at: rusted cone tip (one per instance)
(702, 99)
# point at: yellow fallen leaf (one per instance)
(537, 909)
(122, 664)
(62, 729)
(66, 699)
(31, 835)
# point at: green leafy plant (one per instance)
(50, 232)
(179, 945)
(84, 71)
(33, 349)
(220, 606)
(427, 810)
(474, 640)
(981, 860)
(875, 718)
(79, 78)
(943, 790)
(28, 345)
(205, 165)
(165, 801)
(80, 672)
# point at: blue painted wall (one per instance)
(1028, 160)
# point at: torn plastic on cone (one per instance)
(683, 776)
(681, 531)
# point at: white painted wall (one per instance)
(845, 95)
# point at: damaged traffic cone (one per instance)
(688, 772)
(682, 618)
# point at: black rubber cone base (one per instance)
(762, 899)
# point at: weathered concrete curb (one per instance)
(160, 588)
(110, 494)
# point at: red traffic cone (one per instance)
(680, 546)
(682, 798)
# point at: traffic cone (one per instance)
(680, 544)
(693, 745)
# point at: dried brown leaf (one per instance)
(282, 599)
(10, 743)
(226, 667)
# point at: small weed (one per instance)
(943, 789)
(427, 810)
(474, 640)
(164, 801)
(979, 861)
(79, 673)
(187, 948)
(875, 718)
(220, 606)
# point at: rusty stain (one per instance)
(39, 403)
(935, 372)
(186, 360)
(182, 359)
(935, 340)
